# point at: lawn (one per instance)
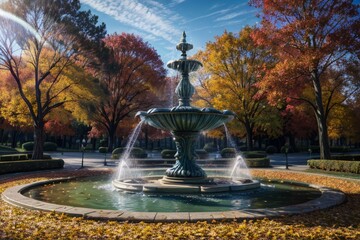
(341, 222)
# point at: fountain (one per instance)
(185, 123)
(93, 197)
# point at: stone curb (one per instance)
(328, 198)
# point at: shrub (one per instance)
(103, 143)
(271, 149)
(103, 149)
(28, 146)
(119, 150)
(168, 153)
(14, 157)
(201, 153)
(135, 153)
(228, 152)
(254, 154)
(210, 147)
(257, 162)
(48, 146)
(21, 156)
(335, 165)
(30, 165)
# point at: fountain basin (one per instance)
(183, 119)
(187, 65)
(95, 200)
(184, 185)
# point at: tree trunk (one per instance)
(249, 137)
(321, 119)
(323, 138)
(39, 138)
(13, 139)
(111, 140)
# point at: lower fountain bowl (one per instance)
(170, 185)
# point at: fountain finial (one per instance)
(183, 46)
(183, 37)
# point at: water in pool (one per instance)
(98, 193)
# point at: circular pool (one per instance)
(95, 198)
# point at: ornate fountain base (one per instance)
(185, 166)
(172, 185)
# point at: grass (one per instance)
(335, 174)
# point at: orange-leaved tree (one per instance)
(310, 39)
(233, 66)
(39, 40)
(132, 74)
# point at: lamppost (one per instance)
(286, 156)
(105, 163)
(83, 146)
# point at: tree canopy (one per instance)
(233, 66)
(312, 40)
(42, 62)
(132, 74)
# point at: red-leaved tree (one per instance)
(311, 38)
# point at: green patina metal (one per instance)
(184, 121)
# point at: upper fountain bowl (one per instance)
(185, 118)
(187, 65)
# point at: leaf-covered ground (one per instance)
(341, 222)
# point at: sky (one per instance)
(161, 22)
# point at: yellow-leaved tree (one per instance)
(233, 66)
(42, 51)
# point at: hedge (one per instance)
(48, 146)
(30, 165)
(228, 152)
(21, 156)
(103, 149)
(271, 149)
(170, 153)
(335, 165)
(210, 147)
(135, 153)
(257, 162)
(254, 154)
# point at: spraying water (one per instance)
(124, 170)
(239, 169)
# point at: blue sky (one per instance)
(161, 22)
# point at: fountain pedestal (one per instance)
(185, 156)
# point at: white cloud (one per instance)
(152, 18)
(234, 15)
(176, 2)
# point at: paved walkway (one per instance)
(296, 161)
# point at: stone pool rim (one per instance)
(329, 198)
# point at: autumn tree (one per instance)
(52, 36)
(131, 75)
(311, 39)
(233, 66)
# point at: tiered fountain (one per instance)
(185, 122)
